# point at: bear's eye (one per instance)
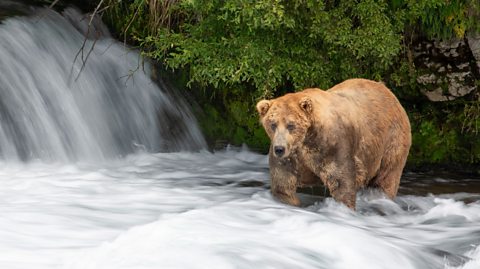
(273, 126)
(290, 126)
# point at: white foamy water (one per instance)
(204, 210)
(64, 209)
(64, 98)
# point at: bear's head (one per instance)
(286, 121)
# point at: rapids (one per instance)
(101, 168)
(214, 210)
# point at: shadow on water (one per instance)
(443, 183)
(417, 184)
(417, 195)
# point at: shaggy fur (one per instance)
(351, 136)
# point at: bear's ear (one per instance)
(262, 107)
(306, 104)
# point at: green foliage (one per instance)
(269, 43)
(445, 19)
(471, 118)
(238, 51)
(129, 18)
(445, 133)
(232, 120)
(432, 144)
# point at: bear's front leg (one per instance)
(283, 182)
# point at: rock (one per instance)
(436, 95)
(449, 71)
(474, 44)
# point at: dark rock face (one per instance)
(449, 69)
(10, 8)
(474, 44)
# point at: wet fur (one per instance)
(351, 136)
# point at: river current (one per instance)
(102, 168)
(214, 210)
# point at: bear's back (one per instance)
(376, 114)
(368, 97)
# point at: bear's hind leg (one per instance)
(388, 178)
(388, 182)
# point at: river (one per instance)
(214, 210)
(92, 176)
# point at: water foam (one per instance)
(173, 210)
(197, 210)
(58, 105)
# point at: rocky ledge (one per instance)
(449, 69)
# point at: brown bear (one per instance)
(351, 136)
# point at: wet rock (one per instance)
(450, 68)
(436, 95)
(474, 44)
(9, 8)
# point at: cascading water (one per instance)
(177, 209)
(60, 101)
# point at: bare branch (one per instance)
(129, 24)
(84, 60)
(81, 50)
(53, 3)
(95, 12)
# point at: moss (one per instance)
(229, 119)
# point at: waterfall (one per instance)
(61, 101)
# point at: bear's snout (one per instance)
(279, 150)
(280, 145)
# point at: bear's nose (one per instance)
(279, 150)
